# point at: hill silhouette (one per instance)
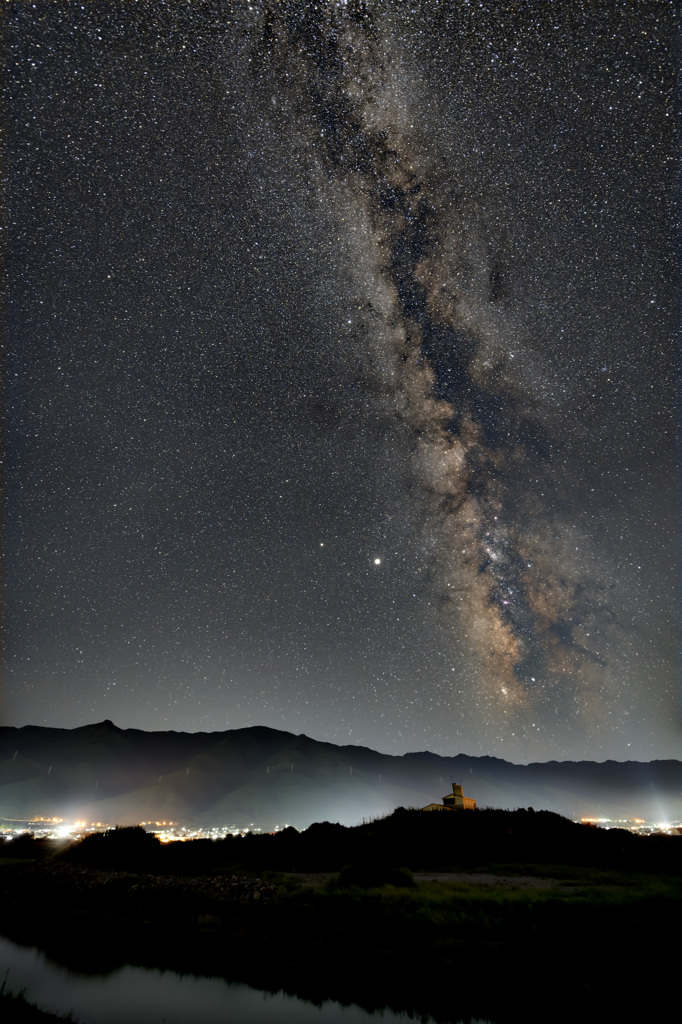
(265, 777)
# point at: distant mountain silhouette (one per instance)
(265, 777)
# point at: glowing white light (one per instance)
(377, 561)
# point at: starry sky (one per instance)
(340, 371)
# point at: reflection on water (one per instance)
(138, 995)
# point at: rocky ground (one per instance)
(233, 888)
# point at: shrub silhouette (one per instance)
(130, 849)
(25, 846)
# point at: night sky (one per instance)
(340, 376)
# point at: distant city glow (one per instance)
(173, 831)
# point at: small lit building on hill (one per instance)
(453, 802)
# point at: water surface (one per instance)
(141, 995)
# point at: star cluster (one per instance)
(340, 372)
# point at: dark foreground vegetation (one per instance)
(553, 920)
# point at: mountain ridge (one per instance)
(265, 777)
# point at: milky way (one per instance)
(518, 598)
(449, 360)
